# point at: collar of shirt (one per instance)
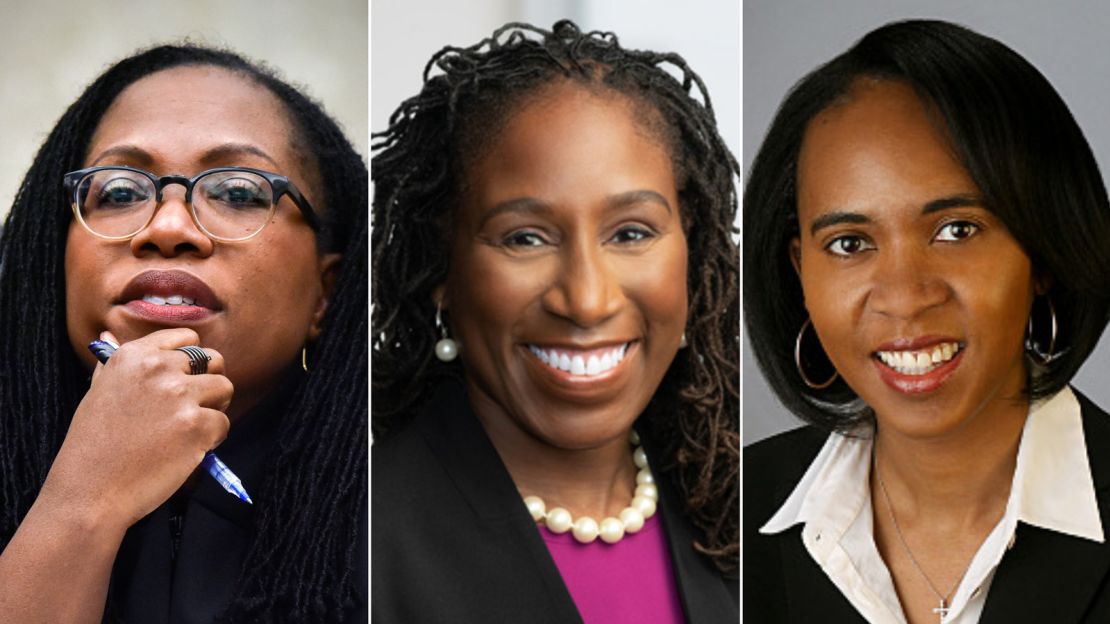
(1052, 488)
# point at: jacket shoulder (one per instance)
(772, 467)
(1096, 434)
(1090, 410)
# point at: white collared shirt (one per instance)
(1052, 489)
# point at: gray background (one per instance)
(50, 50)
(783, 40)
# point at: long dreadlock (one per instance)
(418, 171)
(301, 565)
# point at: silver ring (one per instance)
(198, 359)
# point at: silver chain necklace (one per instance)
(942, 608)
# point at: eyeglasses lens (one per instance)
(229, 205)
(115, 202)
(233, 204)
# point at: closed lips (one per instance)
(575, 362)
(919, 361)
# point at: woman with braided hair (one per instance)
(555, 334)
(210, 220)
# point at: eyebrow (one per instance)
(955, 201)
(531, 205)
(638, 197)
(830, 219)
(138, 155)
(128, 152)
(227, 150)
(526, 205)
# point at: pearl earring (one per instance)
(446, 349)
(682, 343)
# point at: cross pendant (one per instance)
(942, 610)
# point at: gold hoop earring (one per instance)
(1044, 358)
(304, 358)
(798, 361)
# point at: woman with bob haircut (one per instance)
(555, 375)
(926, 268)
(210, 219)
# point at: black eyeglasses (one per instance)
(228, 203)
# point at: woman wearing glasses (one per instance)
(926, 253)
(211, 221)
(555, 323)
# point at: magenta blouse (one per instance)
(629, 582)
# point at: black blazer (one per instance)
(1045, 577)
(452, 542)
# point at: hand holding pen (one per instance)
(198, 365)
(140, 431)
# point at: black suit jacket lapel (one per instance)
(1052, 577)
(782, 582)
(706, 597)
(811, 596)
(469, 459)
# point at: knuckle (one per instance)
(175, 388)
(225, 386)
(150, 362)
(189, 419)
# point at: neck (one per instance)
(959, 479)
(597, 481)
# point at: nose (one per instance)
(172, 231)
(586, 291)
(906, 283)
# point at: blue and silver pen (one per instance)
(103, 350)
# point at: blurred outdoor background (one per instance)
(50, 50)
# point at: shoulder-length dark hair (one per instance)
(419, 166)
(301, 566)
(1018, 141)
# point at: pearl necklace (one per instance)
(630, 520)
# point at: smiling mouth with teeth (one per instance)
(172, 300)
(919, 361)
(586, 363)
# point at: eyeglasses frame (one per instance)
(280, 185)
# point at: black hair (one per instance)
(301, 566)
(419, 167)
(1019, 143)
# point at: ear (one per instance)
(796, 255)
(329, 272)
